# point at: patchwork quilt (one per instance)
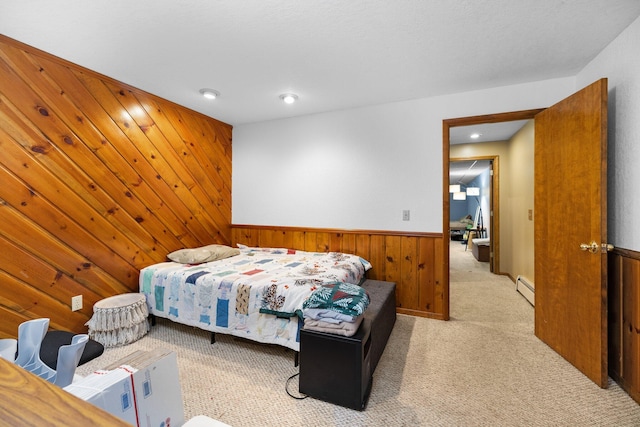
(258, 295)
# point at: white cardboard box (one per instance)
(156, 385)
(145, 384)
(109, 390)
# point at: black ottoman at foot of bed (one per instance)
(339, 369)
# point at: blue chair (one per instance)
(30, 336)
(53, 340)
(68, 358)
(8, 349)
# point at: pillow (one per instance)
(222, 251)
(202, 254)
(190, 256)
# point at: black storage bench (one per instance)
(339, 369)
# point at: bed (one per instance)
(253, 293)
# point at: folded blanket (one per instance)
(344, 298)
(328, 316)
(346, 329)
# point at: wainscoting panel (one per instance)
(412, 260)
(624, 320)
(98, 179)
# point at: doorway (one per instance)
(475, 207)
(570, 312)
(446, 133)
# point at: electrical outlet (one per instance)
(405, 215)
(76, 303)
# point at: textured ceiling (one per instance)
(334, 54)
(489, 132)
(463, 172)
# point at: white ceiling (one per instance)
(488, 132)
(463, 172)
(334, 54)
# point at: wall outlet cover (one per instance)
(76, 303)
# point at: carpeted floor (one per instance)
(484, 367)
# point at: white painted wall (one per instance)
(360, 168)
(620, 63)
(485, 201)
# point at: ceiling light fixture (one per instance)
(475, 135)
(473, 191)
(209, 93)
(289, 98)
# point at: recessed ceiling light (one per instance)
(210, 93)
(289, 98)
(475, 135)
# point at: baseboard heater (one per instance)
(526, 288)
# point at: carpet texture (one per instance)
(484, 367)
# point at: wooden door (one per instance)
(570, 210)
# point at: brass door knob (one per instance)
(591, 247)
(607, 247)
(594, 248)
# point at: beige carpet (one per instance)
(484, 367)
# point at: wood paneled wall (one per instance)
(97, 179)
(412, 260)
(624, 320)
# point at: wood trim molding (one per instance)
(627, 253)
(447, 124)
(413, 261)
(494, 220)
(339, 230)
(624, 319)
(493, 118)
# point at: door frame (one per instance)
(494, 207)
(447, 124)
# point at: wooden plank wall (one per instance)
(97, 179)
(412, 260)
(624, 320)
